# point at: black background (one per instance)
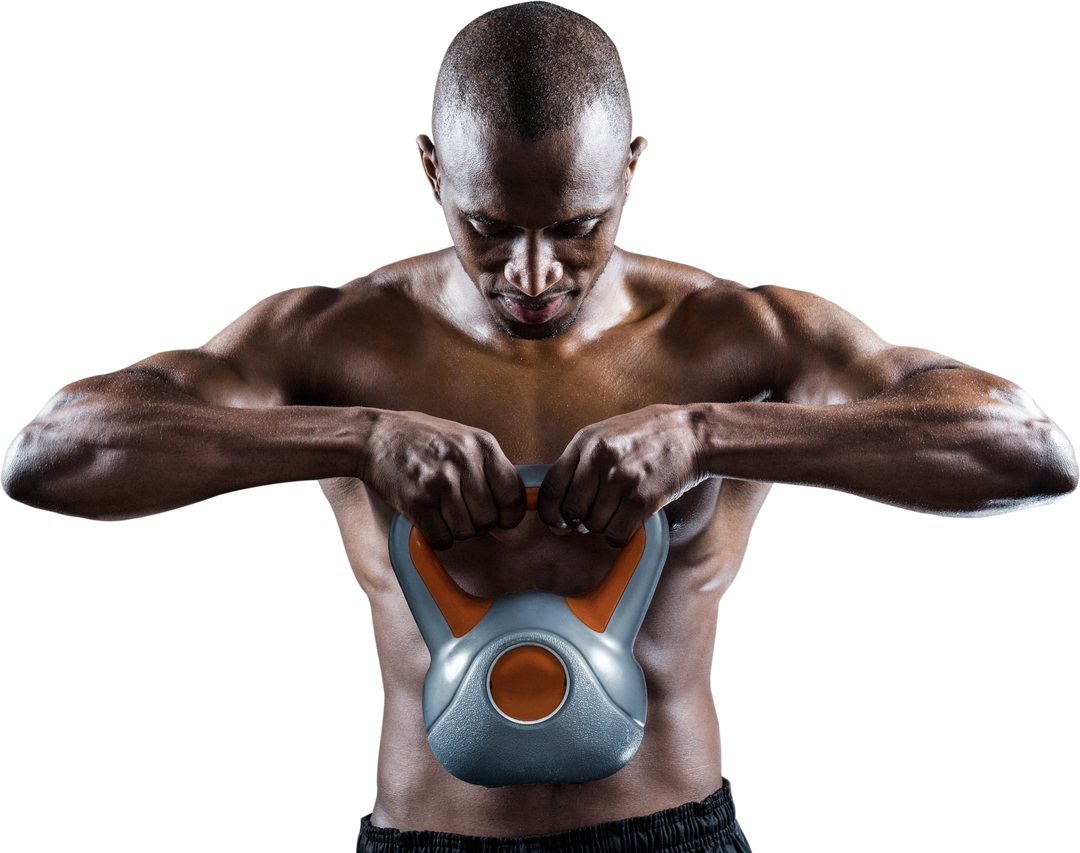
(205, 680)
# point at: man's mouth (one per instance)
(533, 311)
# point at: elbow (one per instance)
(34, 460)
(15, 468)
(1031, 458)
(1014, 469)
(1042, 468)
(1058, 474)
(27, 469)
(17, 476)
(38, 473)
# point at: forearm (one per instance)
(128, 444)
(945, 441)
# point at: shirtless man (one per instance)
(535, 340)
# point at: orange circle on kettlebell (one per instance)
(527, 683)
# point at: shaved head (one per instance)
(530, 70)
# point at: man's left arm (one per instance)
(846, 411)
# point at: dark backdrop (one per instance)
(207, 679)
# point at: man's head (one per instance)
(530, 70)
(532, 160)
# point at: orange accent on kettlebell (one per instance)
(595, 608)
(462, 610)
(527, 683)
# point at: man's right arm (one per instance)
(136, 442)
(183, 426)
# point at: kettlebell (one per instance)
(532, 687)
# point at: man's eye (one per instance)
(578, 234)
(491, 231)
(489, 234)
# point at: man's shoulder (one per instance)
(306, 323)
(695, 292)
(673, 279)
(404, 279)
(697, 301)
(371, 299)
(771, 331)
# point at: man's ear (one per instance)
(430, 162)
(637, 148)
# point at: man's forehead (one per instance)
(586, 159)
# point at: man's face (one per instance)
(534, 223)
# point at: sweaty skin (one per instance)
(535, 340)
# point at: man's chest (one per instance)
(534, 400)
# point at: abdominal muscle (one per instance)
(678, 760)
(422, 795)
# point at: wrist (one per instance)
(359, 430)
(731, 438)
(703, 420)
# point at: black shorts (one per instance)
(705, 827)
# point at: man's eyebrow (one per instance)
(487, 220)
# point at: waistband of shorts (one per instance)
(674, 829)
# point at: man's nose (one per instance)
(532, 268)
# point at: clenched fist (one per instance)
(615, 474)
(450, 480)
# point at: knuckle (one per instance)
(584, 434)
(596, 451)
(485, 444)
(637, 499)
(548, 490)
(485, 522)
(548, 512)
(511, 496)
(424, 504)
(572, 513)
(463, 532)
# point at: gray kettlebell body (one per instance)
(482, 724)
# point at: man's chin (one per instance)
(535, 332)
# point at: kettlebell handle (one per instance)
(462, 610)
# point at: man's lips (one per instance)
(533, 312)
